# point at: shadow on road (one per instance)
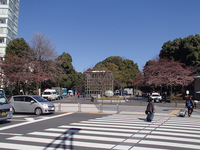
(64, 137)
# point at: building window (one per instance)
(2, 20)
(3, 2)
(1, 40)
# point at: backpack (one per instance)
(188, 103)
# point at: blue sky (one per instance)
(93, 30)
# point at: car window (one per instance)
(2, 92)
(40, 99)
(28, 99)
(47, 93)
(19, 98)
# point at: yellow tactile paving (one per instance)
(174, 112)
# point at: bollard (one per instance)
(101, 108)
(79, 107)
(59, 106)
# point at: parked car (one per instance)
(156, 97)
(6, 110)
(31, 104)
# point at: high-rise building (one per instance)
(9, 12)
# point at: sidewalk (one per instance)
(119, 109)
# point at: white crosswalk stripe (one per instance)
(116, 132)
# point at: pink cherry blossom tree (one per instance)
(167, 72)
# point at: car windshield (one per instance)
(47, 93)
(3, 100)
(40, 99)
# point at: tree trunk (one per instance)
(171, 92)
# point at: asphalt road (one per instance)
(85, 131)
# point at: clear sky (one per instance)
(93, 30)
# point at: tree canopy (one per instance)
(17, 47)
(70, 78)
(186, 50)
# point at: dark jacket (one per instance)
(150, 107)
(191, 101)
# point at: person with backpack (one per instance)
(190, 106)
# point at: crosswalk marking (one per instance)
(193, 140)
(146, 148)
(179, 127)
(104, 129)
(168, 144)
(178, 130)
(26, 147)
(92, 132)
(175, 134)
(116, 123)
(98, 138)
(62, 142)
(127, 132)
(105, 125)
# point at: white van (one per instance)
(70, 92)
(49, 94)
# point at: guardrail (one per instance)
(79, 107)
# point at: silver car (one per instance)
(6, 111)
(31, 104)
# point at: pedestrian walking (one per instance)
(125, 98)
(84, 96)
(190, 106)
(92, 98)
(165, 95)
(78, 95)
(137, 94)
(150, 111)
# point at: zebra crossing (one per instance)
(116, 132)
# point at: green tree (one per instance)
(70, 78)
(186, 50)
(17, 47)
(123, 70)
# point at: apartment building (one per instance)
(9, 12)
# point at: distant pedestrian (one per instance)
(125, 98)
(190, 106)
(78, 95)
(92, 98)
(84, 96)
(150, 111)
(165, 95)
(137, 94)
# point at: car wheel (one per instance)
(38, 111)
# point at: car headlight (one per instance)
(45, 105)
(11, 109)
